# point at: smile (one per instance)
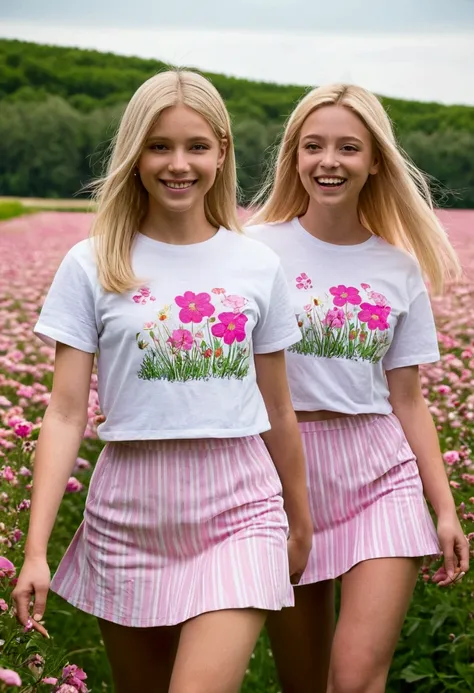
(178, 184)
(330, 181)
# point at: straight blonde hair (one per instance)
(122, 201)
(394, 204)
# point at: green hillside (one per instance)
(72, 99)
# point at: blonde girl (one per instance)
(352, 221)
(184, 547)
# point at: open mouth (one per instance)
(330, 181)
(178, 184)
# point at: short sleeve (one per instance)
(68, 313)
(415, 340)
(277, 327)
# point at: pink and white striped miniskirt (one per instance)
(173, 529)
(366, 495)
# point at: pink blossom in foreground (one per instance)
(9, 677)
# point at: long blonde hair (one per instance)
(122, 201)
(394, 204)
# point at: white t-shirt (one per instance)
(362, 310)
(175, 356)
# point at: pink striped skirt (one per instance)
(366, 495)
(173, 529)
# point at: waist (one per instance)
(322, 415)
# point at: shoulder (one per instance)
(399, 257)
(256, 253)
(267, 232)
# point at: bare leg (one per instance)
(374, 600)
(138, 656)
(301, 639)
(214, 651)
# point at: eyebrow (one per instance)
(197, 138)
(341, 139)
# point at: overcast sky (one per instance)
(408, 48)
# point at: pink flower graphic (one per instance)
(142, 295)
(378, 299)
(231, 327)
(374, 316)
(181, 340)
(194, 307)
(303, 281)
(234, 302)
(334, 318)
(365, 286)
(218, 291)
(345, 294)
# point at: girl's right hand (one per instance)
(33, 582)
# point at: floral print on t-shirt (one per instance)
(192, 340)
(348, 322)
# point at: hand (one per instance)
(455, 548)
(34, 581)
(299, 548)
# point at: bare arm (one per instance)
(56, 452)
(284, 445)
(411, 409)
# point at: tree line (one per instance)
(59, 108)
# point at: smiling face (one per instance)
(335, 156)
(180, 160)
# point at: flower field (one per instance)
(436, 651)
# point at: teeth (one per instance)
(331, 181)
(173, 184)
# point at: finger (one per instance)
(463, 550)
(22, 602)
(41, 596)
(449, 560)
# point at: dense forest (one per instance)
(59, 108)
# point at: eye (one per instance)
(158, 147)
(349, 148)
(200, 147)
(312, 147)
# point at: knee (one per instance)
(357, 677)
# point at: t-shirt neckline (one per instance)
(333, 247)
(162, 246)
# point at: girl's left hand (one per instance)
(455, 548)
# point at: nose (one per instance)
(329, 159)
(178, 162)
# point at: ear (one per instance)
(222, 151)
(374, 169)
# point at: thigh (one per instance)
(301, 639)
(375, 597)
(214, 651)
(140, 655)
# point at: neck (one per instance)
(338, 225)
(178, 228)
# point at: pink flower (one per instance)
(7, 569)
(25, 504)
(10, 677)
(8, 474)
(137, 298)
(4, 402)
(23, 429)
(451, 457)
(24, 471)
(181, 340)
(3, 605)
(345, 294)
(234, 302)
(17, 535)
(303, 281)
(145, 291)
(81, 463)
(378, 299)
(375, 316)
(231, 327)
(73, 485)
(66, 688)
(49, 681)
(75, 676)
(334, 318)
(149, 325)
(218, 291)
(365, 286)
(194, 307)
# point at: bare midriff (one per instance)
(322, 415)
